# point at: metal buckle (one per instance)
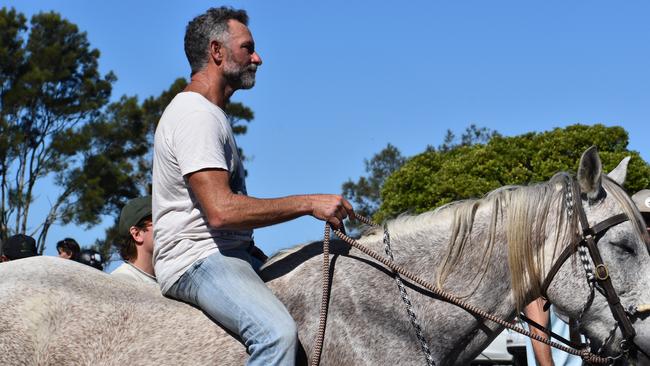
(625, 346)
(602, 273)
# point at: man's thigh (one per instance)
(230, 291)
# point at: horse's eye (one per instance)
(624, 247)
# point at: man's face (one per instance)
(143, 236)
(147, 238)
(241, 60)
(63, 254)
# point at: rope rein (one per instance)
(318, 344)
(399, 270)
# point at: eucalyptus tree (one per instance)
(50, 86)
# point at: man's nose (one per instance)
(256, 59)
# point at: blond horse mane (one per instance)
(529, 215)
(532, 217)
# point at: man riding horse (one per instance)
(203, 219)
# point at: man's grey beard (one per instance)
(240, 77)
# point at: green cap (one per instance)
(134, 211)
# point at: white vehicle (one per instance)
(508, 348)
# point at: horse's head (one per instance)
(624, 251)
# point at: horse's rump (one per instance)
(66, 308)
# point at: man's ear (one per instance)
(3, 259)
(136, 234)
(216, 52)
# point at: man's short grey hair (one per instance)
(205, 28)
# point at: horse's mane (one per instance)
(629, 208)
(528, 216)
(520, 213)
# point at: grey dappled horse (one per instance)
(57, 312)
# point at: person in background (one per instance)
(136, 246)
(541, 354)
(92, 258)
(17, 247)
(68, 248)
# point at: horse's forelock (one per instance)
(629, 208)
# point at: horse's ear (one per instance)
(620, 172)
(590, 173)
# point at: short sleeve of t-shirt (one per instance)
(200, 142)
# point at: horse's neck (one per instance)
(480, 275)
(420, 246)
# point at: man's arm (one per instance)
(535, 311)
(227, 210)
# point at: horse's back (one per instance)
(57, 312)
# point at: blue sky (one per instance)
(340, 80)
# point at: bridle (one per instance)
(597, 275)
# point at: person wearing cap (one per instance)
(136, 247)
(17, 247)
(642, 201)
(68, 248)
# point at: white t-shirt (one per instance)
(132, 273)
(193, 134)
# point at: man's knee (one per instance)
(285, 334)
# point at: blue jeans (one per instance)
(226, 287)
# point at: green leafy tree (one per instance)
(365, 192)
(50, 86)
(107, 174)
(437, 177)
(471, 136)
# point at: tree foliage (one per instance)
(437, 177)
(50, 84)
(471, 136)
(365, 192)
